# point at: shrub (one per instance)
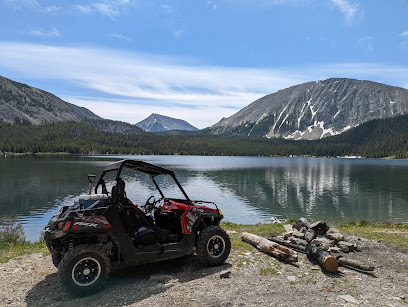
(363, 223)
(11, 232)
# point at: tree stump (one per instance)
(325, 259)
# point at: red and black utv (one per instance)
(105, 230)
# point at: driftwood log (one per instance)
(325, 259)
(296, 247)
(270, 247)
(354, 264)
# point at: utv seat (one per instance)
(148, 228)
(147, 235)
(140, 225)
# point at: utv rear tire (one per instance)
(213, 245)
(84, 269)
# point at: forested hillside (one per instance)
(108, 125)
(375, 139)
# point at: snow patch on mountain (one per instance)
(315, 131)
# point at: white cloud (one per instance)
(404, 38)
(212, 4)
(142, 84)
(31, 4)
(20, 4)
(178, 33)
(106, 8)
(110, 8)
(157, 81)
(121, 36)
(168, 9)
(366, 43)
(348, 9)
(52, 8)
(84, 9)
(268, 3)
(53, 32)
(131, 112)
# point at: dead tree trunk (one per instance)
(354, 264)
(270, 247)
(325, 259)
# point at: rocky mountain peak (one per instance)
(160, 123)
(316, 109)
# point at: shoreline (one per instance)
(394, 234)
(5, 154)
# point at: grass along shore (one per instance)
(395, 235)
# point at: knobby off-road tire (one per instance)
(213, 245)
(84, 269)
(56, 258)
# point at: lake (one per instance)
(246, 189)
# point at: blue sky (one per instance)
(198, 60)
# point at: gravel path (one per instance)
(255, 280)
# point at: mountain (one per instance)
(315, 110)
(114, 126)
(160, 123)
(23, 104)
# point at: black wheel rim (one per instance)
(86, 271)
(216, 246)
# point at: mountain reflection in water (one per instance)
(246, 189)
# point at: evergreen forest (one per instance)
(375, 139)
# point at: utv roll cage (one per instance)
(150, 169)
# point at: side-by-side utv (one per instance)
(105, 230)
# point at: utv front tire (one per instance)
(83, 269)
(213, 245)
(56, 258)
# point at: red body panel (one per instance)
(190, 215)
(91, 222)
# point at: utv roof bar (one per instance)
(144, 167)
(138, 166)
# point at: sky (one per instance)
(196, 60)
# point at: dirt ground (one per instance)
(255, 280)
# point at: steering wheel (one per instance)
(150, 204)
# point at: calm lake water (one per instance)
(246, 189)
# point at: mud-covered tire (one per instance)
(213, 245)
(56, 258)
(84, 269)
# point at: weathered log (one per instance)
(296, 247)
(325, 259)
(270, 247)
(354, 264)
